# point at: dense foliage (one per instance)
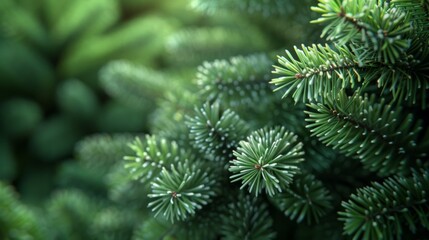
(325, 141)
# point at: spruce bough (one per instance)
(365, 98)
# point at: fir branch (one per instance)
(318, 70)
(382, 28)
(151, 156)
(124, 191)
(415, 84)
(384, 209)
(419, 12)
(267, 159)
(168, 120)
(406, 80)
(306, 198)
(239, 81)
(205, 224)
(376, 133)
(321, 70)
(180, 191)
(215, 132)
(247, 218)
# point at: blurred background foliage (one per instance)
(78, 76)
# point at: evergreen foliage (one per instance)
(354, 124)
(382, 210)
(153, 156)
(241, 81)
(247, 218)
(267, 159)
(318, 70)
(216, 132)
(181, 191)
(380, 43)
(331, 141)
(101, 151)
(306, 198)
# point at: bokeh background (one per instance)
(79, 77)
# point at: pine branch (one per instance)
(169, 119)
(124, 191)
(152, 156)
(239, 81)
(242, 85)
(306, 198)
(419, 12)
(384, 209)
(407, 79)
(181, 190)
(215, 132)
(247, 218)
(320, 70)
(206, 224)
(382, 28)
(376, 133)
(317, 71)
(268, 159)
